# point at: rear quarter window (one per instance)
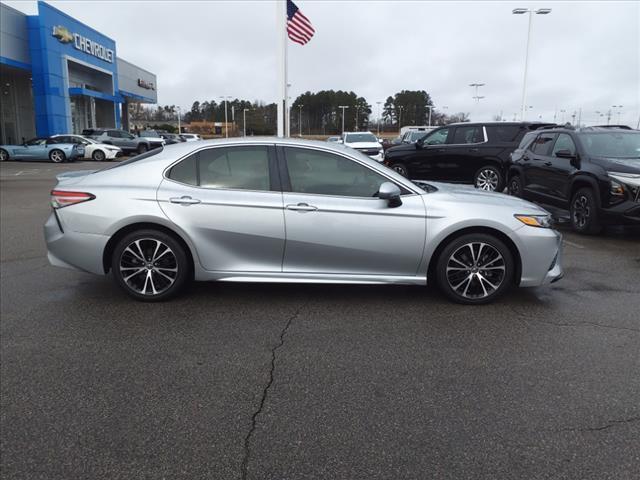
(504, 133)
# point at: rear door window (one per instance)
(542, 144)
(503, 133)
(238, 168)
(464, 135)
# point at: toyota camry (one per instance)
(285, 210)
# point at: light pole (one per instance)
(430, 107)
(300, 120)
(179, 115)
(562, 112)
(356, 107)
(343, 107)
(401, 107)
(226, 123)
(379, 117)
(520, 11)
(244, 121)
(619, 107)
(477, 85)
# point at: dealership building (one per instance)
(58, 75)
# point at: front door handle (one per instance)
(441, 150)
(474, 149)
(548, 164)
(184, 200)
(302, 207)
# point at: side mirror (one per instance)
(564, 154)
(419, 143)
(390, 192)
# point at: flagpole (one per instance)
(281, 12)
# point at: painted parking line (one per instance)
(571, 244)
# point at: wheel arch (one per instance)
(581, 181)
(125, 230)
(479, 229)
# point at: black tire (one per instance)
(173, 264)
(4, 155)
(57, 156)
(401, 169)
(98, 155)
(470, 284)
(143, 148)
(489, 178)
(515, 186)
(583, 212)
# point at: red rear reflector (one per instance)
(62, 198)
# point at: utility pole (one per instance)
(430, 107)
(379, 117)
(179, 115)
(401, 107)
(343, 107)
(226, 123)
(300, 120)
(244, 121)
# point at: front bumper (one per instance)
(378, 158)
(625, 213)
(79, 251)
(541, 256)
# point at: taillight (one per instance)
(62, 198)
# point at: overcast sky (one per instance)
(583, 55)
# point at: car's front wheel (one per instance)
(4, 155)
(57, 156)
(584, 212)
(475, 269)
(401, 169)
(150, 265)
(142, 148)
(515, 186)
(98, 155)
(489, 179)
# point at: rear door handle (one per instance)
(440, 150)
(548, 164)
(474, 149)
(184, 200)
(302, 207)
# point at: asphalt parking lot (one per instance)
(238, 381)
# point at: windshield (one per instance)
(360, 137)
(612, 144)
(414, 136)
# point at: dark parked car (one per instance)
(593, 172)
(475, 153)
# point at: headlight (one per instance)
(540, 221)
(616, 189)
(112, 149)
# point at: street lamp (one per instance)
(430, 107)
(244, 121)
(476, 85)
(343, 107)
(300, 120)
(379, 117)
(619, 107)
(226, 123)
(400, 107)
(179, 115)
(521, 11)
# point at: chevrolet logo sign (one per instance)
(62, 34)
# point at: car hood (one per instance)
(471, 195)
(622, 165)
(363, 145)
(401, 148)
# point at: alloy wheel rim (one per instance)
(148, 266)
(3, 155)
(56, 156)
(99, 155)
(515, 187)
(487, 180)
(476, 270)
(581, 211)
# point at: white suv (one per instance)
(365, 142)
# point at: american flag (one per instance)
(299, 27)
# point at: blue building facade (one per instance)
(73, 71)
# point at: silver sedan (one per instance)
(285, 210)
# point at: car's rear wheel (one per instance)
(515, 186)
(401, 169)
(150, 265)
(98, 155)
(584, 212)
(489, 179)
(142, 148)
(4, 155)
(57, 156)
(475, 269)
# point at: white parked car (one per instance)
(190, 137)
(365, 142)
(92, 150)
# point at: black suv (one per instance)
(475, 153)
(593, 172)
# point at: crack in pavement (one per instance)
(526, 317)
(602, 427)
(265, 390)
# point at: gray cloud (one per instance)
(583, 55)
